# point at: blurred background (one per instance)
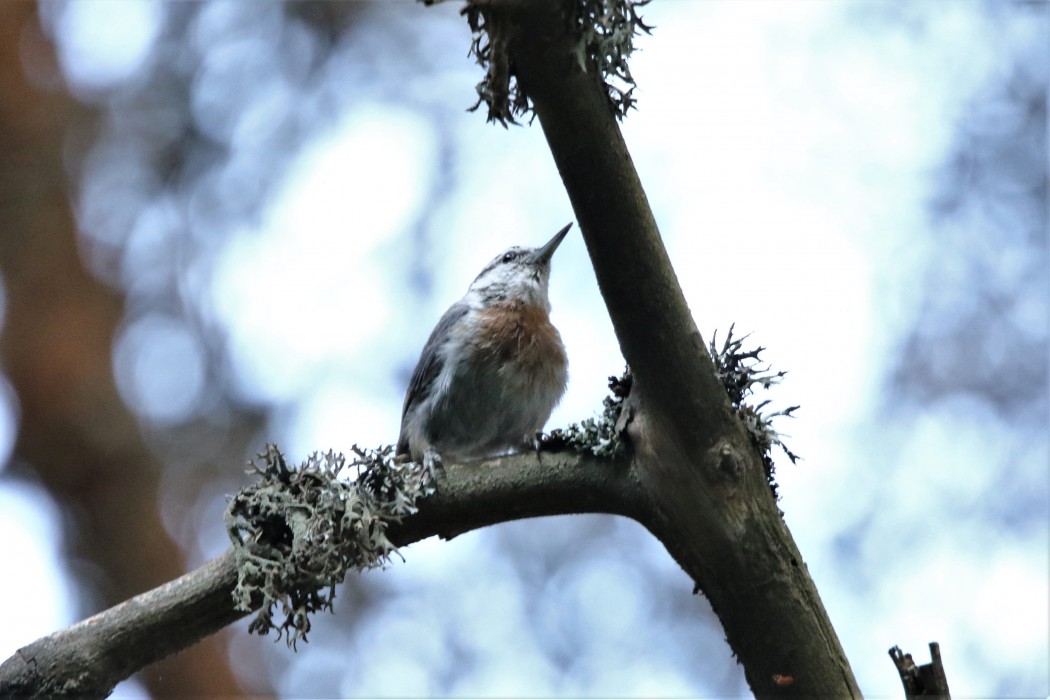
(226, 223)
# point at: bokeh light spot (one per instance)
(159, 367)
(102, 43)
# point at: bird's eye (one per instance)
(507, 257)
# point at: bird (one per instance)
(493, 368)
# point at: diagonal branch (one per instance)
(89, 658)
(649, 312)
(694, 457)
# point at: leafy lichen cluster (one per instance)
(297, 532)
(607, 29)
(740, 372)
(604, 41)
(601, 436)
(499, 89)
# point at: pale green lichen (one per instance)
(607, 29)
(740, 372)
(601, 436)
(298, 532)
(604, 31)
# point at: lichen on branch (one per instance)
(606, 40)
(602, 436)
(603, 32)
(740, 372)
(298, 532)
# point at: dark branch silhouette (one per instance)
(89, 658)
(922, 681)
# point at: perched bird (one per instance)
(494, 367)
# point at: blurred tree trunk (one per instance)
(75, 431)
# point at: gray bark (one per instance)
(712, 507)
(89, 658)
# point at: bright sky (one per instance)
(788, 151)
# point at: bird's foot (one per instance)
(432, 464)
(534, 442)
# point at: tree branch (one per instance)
(694, 477)
(89, 658)
(651, 318)
(925, 681)
(695, 460)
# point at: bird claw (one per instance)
(535, 443)
(431, 465)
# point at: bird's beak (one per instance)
(543, 255)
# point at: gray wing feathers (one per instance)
(429, 366)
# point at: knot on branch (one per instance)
(740, 372)
(297, 532)
(603, 31)
(724, 460)
(603, 436)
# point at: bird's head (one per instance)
(518, 274)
